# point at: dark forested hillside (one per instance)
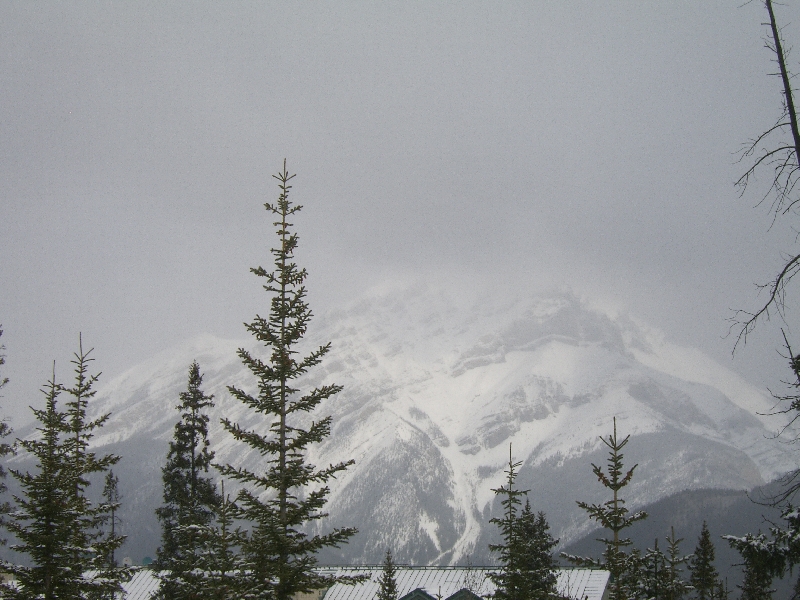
(727, 512)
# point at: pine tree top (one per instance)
(285, 493)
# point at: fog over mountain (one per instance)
(436, 388)
(580, 143)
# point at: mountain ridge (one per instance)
(436, 387)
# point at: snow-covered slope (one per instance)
(436, 388)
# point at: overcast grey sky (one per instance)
(589, 144)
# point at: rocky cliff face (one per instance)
(436, 388)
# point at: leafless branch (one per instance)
(783, 161)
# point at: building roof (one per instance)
(142, 585)
(443, 582)
(438, 582)
(418, 594)
(463, 594)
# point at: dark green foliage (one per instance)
(537, 554)
(91, 546)
(614, 516)
(112, 499)
(509, 579)
(653, 574)
(790, 405)
(40, 523)
(787, 543)
(676, 586)
(55, 524)
(287, 495)
(722, 592)
(525, 556)
(762, 562)
(220, 565)
(3, 380)
(190, 496)
(765, 558)
(704, 577)
(5, 448)
(659, 574)
(387, 580)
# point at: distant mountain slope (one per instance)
(436, 388)
(727, 512)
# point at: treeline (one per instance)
(527, 562)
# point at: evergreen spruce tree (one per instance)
(55, 524)
(112, 499)
(3, 380)
(387, 580)
(761, 564)
(652, 581)
(40, 523)
(704, 577)
(190, 496)
(722, 593)
(220, 566)
(676, 587)
(286, 495)
(510, 581)
(631, 581)
(659, 576)
(537, 559)
(786, 545)
(774, 556)
(614, 516)
(90, 546)
(527, 568)
(5, 448)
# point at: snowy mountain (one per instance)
(436, 388)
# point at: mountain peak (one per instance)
(436, 387)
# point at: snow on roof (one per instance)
(443, 582)
(142, 585)
(439, 582)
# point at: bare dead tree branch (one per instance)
(790, 405)
(783, 160)
(775, 300)
(787, 87)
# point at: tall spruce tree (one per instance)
(763, 561)
(286, 495)
(221, 566)
(55, 523)
(657, 575)
(653, 574)
(510, 580)
(537, 559)
(5, 447)
(112, 498)
(677, 587)
(785, 547)
(525, 554)
(91, 546)
(3, 380)
(190, 495)
(615, 517)
(387, 581)
(704, 576)
(39, 522)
